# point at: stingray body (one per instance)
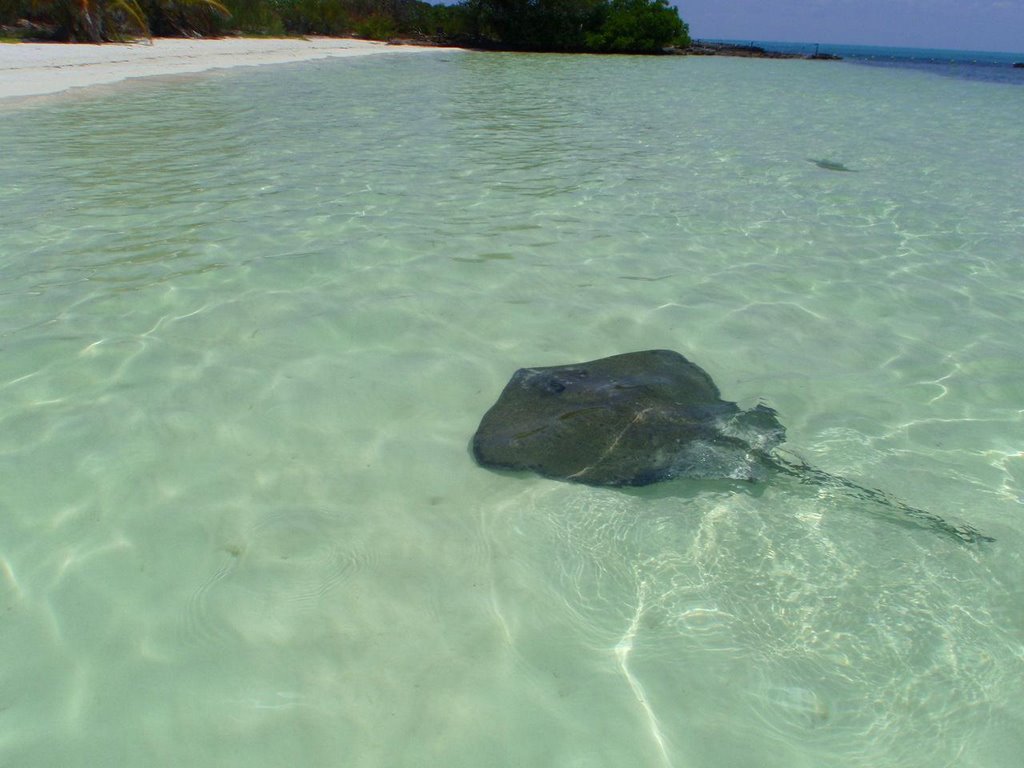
(644, 417)
(631, 419)
(830, 165)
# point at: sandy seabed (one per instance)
(38, 69)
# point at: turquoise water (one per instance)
(250, 321)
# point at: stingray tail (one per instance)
(792, 465)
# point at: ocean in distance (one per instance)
(249, 321)
(990, 66)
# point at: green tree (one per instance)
(98, 21)
(547, 25)
(179, 18)
(639, 26)
(313, 17)
(633, 26)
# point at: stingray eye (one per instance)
(554, 386)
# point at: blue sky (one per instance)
(986, 25)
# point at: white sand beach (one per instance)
(37, 69)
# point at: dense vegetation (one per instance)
(621, 26)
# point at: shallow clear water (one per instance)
(251, 320)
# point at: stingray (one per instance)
(647, 417)
(830, 165)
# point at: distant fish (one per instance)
(830, 165)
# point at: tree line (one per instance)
(599, 26)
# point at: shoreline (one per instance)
(43, 69)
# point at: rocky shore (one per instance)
(703, 48)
